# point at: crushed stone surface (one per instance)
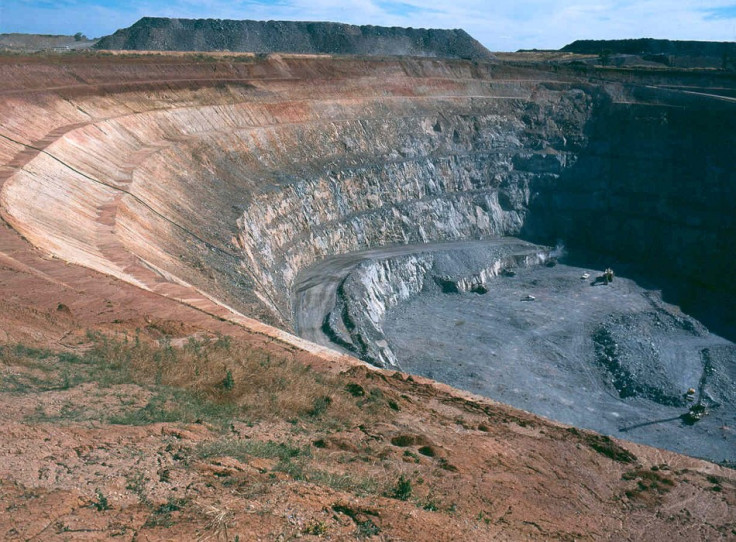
(613, 358)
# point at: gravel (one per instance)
(613, 358)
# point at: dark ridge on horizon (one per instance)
(163, 34)
(652, 46)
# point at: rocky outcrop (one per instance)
(160, 34)
(377, 285)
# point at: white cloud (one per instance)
(498, 24)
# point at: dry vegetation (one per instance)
(128, 437)
(213, 380)
(214, 439)
(251, 418)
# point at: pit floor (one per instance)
(541, 355)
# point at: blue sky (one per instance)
(501, 25)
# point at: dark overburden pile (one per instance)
(160, 34)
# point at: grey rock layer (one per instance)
(377, 285)
(465, 173)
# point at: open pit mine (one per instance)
(447, 217)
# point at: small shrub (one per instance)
(375, 394)
(367, 528)
(402, 490)
(228, 382)
(101, 503)
(316, 528)
(356, 390)
(320, 405)
(445, 465)
(161, 516)
(409, 453)
(604, 445)
(403, 441)
(650, 485)
(427, 450)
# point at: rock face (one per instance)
(217, 182)
(160, 34)
(656, 185)
(377, 285)
(463, 173)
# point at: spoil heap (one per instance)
(160, 34)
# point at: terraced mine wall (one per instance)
(219, 180)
